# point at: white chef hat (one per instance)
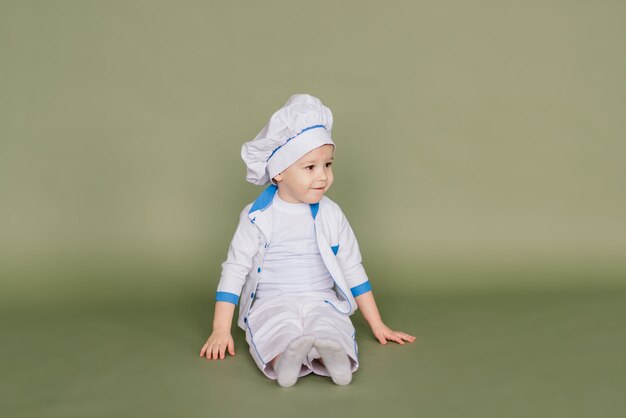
(298, 127)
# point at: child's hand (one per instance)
(383, 333)
(215, 347)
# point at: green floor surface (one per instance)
(550, 353)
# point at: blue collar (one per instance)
(267, 196)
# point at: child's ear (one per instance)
(278, 177)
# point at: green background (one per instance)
(480, 160)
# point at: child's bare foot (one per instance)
(288, 365)
(335, 359)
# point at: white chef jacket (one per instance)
(338, 247)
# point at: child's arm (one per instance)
(220, 339)
(243, 247)
(368, 308)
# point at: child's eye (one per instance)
(309, 167)
(329, 164)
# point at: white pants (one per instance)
(273, 322)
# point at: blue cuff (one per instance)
(227, 297)
(360, 289)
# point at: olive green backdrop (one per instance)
(480, 160)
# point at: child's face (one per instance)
(306, 180)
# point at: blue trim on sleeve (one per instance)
(360, 289)
(335, 248)
(227, 297)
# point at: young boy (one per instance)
(294, 259)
